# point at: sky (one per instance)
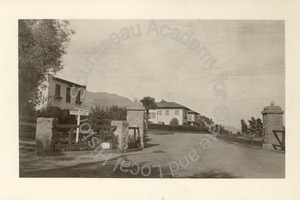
(249, 53)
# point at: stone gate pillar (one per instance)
(122, 133)
(44, 134)
(272, 120)
(135, 117)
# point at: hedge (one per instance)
(176, 127)
(238, 139)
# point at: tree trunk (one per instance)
(147, 119)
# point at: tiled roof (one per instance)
(68, 82)
(170, 105)
(192, 112)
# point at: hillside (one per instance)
(104, 99)
(232, 129)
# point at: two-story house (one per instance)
(58, 92)
(166, 111)
(193, 118)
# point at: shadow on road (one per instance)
(212, 174)
(94, 170)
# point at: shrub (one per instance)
(112, 139)
(63, 116)
(174, 121)
(249, 141)
(177, 127)
(132, 143)
(101, 116)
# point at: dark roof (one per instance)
(170, 105)
(68, 82)
(192, 112)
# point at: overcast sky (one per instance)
(249, 53)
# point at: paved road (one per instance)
(171, 151)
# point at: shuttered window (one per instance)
(68, 95)
(57, 90)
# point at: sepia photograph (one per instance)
(151, 98)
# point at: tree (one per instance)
(221, 129)
(256, 126)
(101, 116)
(174, 121)
(148, 103)
(204, 121)
(260, 127)
(42, 43)
(244, 127)
(63, 116)
(117, 113)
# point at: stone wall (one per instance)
(45, 131)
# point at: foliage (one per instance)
(42, 43)
(63, 116)
(237, 138)
(148, 103)
(178, 128)
(204, 121)
(117, 113)
(132, 143)
(256, 126)
(221, 129)
(145, 128)
(244, 128)
(104, 116)
(112, 139)
(174, 121)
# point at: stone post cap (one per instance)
(135, 106)
(272, 109)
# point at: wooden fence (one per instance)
(280, 141)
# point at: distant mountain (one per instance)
(232, 129)
(104, 100)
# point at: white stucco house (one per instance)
(166, 111)
(193, 118)
(58, 92)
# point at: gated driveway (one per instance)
(167, 155)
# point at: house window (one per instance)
(159, 112)
(68, 95)
(176, 112)
(190, 117)
(78, 98)
(167, 112)
(153, 115)
(57, 90)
